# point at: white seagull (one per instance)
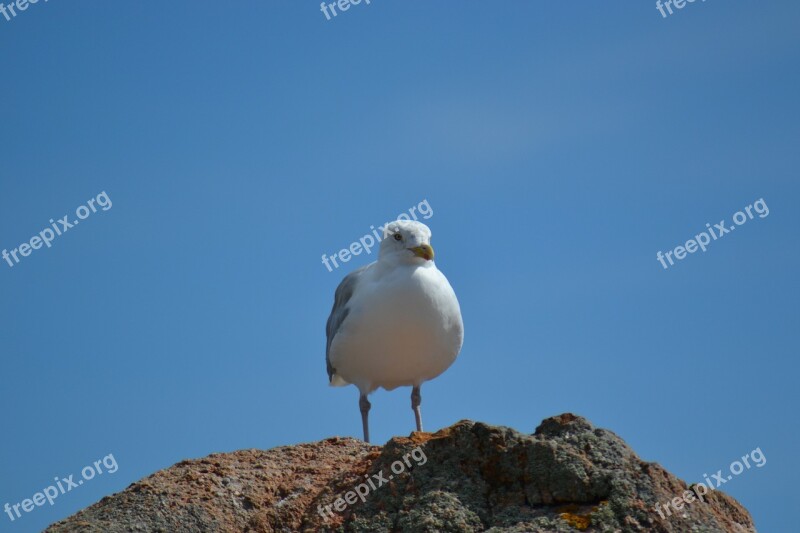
(395, 322)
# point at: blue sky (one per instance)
(559, 144)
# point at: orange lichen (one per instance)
(579, 522)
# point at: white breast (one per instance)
(404, 328)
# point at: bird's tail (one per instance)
(337, 381)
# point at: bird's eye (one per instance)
(398, 237)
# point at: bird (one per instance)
(395, 322)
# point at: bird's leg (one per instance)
(364, 404)
(416, 401)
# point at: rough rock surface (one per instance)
(567, 476)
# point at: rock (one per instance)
(567, 476)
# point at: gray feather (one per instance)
(340, 311)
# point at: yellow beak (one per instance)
(425, 251)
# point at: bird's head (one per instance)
(406, 241)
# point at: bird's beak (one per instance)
(424, 251)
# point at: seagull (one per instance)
(395, 322)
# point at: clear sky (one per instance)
(560, 146)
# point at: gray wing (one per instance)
(340, 311)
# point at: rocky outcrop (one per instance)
(567, 476)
